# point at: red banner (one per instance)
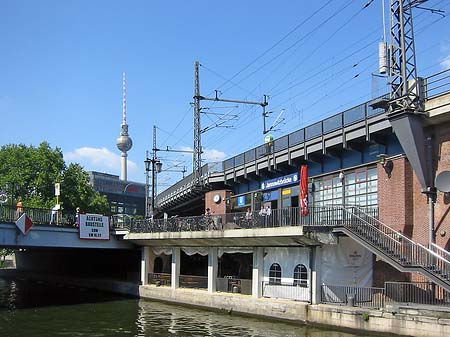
(304, 190)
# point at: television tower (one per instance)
(124, 142)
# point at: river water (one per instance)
(31, 308)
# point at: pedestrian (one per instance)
(77, 217)
(248, 215)
(54, 212)
(209, 225)
(262, 213)
(268, 214)
(208, 212)
(19, 209)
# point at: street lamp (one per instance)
(147, 163)
(154, 165)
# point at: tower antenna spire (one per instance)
(124, 99)
(124, 142)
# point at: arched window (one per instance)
(275, 274)
(300, 276)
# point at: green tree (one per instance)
(4, 252)
(77, 192)
(29, 174)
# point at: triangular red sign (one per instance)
(24, 223)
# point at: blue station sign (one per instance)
(279, 182)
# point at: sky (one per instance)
(62, 65)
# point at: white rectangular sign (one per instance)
(57, 189)
(94, 227)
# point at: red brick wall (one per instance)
(395, 195)
(220, 207)
(383, 271)
(404, 207)
(442, 207)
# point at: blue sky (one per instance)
(62, 64)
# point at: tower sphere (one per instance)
(124, 143)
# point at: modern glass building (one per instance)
(124, 197)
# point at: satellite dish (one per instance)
(442, 181)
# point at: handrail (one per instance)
(39, 216)
(384, 225)
(441, 251)
(405, 238)
(289, 216)
(404, 251)
(437, 81)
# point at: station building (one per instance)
(369, 219)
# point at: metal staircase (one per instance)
(395, 248)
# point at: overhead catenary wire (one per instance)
(281, 101)
(315, 29)
(277, 43)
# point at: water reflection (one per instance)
(39, 309)
(159, 319)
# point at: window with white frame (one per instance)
(358, 187)
(300, 276)
(275, 274)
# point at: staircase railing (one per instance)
(395, 245)
(440, 251)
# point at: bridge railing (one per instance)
(289, 216)
(437, 84)
(39, 216)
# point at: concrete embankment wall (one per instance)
(406, 321)
(430, 322)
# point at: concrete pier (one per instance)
(403, 321)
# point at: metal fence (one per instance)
(290, 291)
(192, 281)
(403, 293)
(234, 285)
(289, 216)
(425, 293)
(159, 279)
(39, 216)
(437, 84)
(368, 297)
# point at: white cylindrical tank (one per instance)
(382, 57)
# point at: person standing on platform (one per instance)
(54, 212)
(248, 216)
(19, 209)
(77, 217)
(268, 214)
(262, 214)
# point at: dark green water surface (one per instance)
(30, 308)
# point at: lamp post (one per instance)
(154, 165)
(147, 163)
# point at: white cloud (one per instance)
(209, 155)
(445, 63)
(98, 159)
(212, 155)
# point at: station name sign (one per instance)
(278, 182)
(94, 227)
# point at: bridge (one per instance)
(350, 131)
(56, 249)
(65, 234)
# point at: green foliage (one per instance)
(79, 193)
(29, 174)
(4, 252)
(365, 316)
